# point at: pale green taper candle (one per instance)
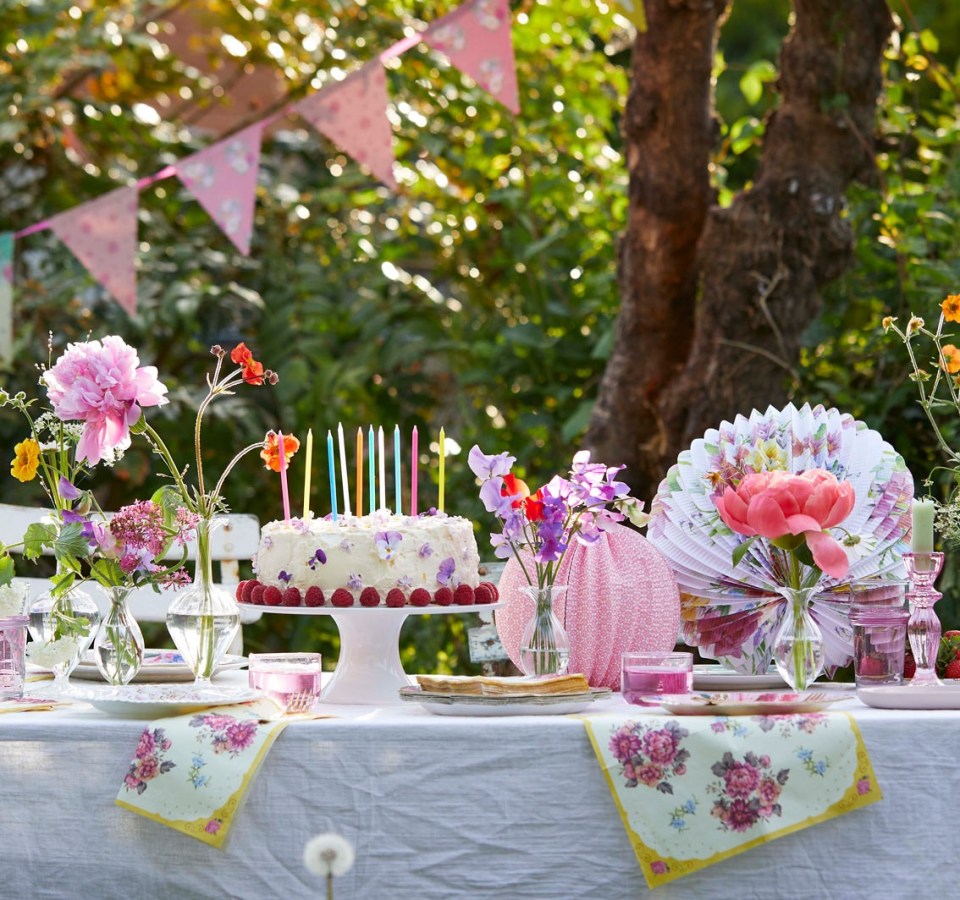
(923, 511)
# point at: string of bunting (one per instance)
(102, 233)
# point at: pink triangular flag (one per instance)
(102, 234)
(476, 39)
(353, 114)
(223, 177)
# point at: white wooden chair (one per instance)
(237, 539)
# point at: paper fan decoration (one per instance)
(732, 612)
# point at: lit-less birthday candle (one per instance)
(307, 475)
(359, 471)
(285, 494)
(333, 477)
(922, 540)
(396, 468)
(373, 472)
(414, 449)
(343, 470)
(443, 453)
(382, 467)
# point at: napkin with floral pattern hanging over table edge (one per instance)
(28, 704)
(192, 772)
(697, 790)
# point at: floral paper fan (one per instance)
(732, 612)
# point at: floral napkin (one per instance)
(695, 790)
(192, 772)
(28, 704)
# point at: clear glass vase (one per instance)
(545, 645)
(63, 629)
(798, 644)
(203, 619)
(118, 646)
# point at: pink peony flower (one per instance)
(659, 867)
(624, 745)
(660, 746)
(240, 735)
(213, 826)
(776, 504)
(100, 384)
(769, 792)
(146, 746)
(650, 774)
(740, 815)
(742, 779)
(146, 769)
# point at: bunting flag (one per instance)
(634, 11)
(353, 114)
(102, 234)
(476, 39)
(6, 296)
(223, 177)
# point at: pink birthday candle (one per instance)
(283, 477)
(413, 472)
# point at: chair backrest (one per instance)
(236, 539)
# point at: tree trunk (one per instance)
(714, 300)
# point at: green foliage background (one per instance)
(482, 295)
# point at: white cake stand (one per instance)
(369, 671)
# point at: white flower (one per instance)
(328, 854)
(858, 546)
(13, 600)
(49, 654)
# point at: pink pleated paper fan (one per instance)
(621, 596)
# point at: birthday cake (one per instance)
(377, 560)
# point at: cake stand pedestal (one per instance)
(369, 671)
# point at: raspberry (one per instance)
(496, 592)
(463, 595)
(484, 593)
(272, 595)
(256, 595)
(314, 596)
(290, 597)
(395, 597)
(953, 669)
(420, 597)
(342, 597)
(248, 587)
(369, 597)
(239, 592)
(909, 665)
(443, 596)
(950, 634)
(871, 666)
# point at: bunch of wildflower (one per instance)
(545, 523)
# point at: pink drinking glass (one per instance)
(13, 643)
(645, 674)
(291, 679)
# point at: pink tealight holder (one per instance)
(646, 674)
(290, 679)
(13, 643)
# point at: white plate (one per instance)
(713, 677)
(909, 696)
(466, 705)
(150, 701)
(159, 667)
(744, 703)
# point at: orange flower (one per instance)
(950, 359)
(951, 308)
(252, 370)
(512, 486)
(270, 454)
(533, 506)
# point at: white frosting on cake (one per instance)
(381, 550)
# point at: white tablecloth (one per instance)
(442, 807)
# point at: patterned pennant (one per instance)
(353, 114)
(634, 11)
(6, 296)
(476, 39)
(223, 177)
(102, 234)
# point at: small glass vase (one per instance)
(118, 646)
(545, 645)
(67, 625)
(798, 644)
(203, 619)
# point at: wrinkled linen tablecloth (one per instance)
(442, 807)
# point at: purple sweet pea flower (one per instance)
(69, 517)
(445, 572)
(487, 467)
(493, 500)
(67, 490)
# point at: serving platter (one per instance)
(745, 703)
(150, 701)
(478, 705)
(158, 667)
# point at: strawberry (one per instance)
(395, 598)
(369, 596)
(239, 592)
(256, 594)
(909, 665)
(463, 595)
(272, 595)
(420, 597)
(443, 596)
(314, 596)
(342, 597)
(290, 597)
(953, 669)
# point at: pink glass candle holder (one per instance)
(291, 679)
(646, 674)
(879, 640)
(923, 627)
(13, 645)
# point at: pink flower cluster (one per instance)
(102, 384)
(749, 791)
(227, 734)
(650, 756)
(148, 760)
(775, 505)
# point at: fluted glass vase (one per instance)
(62, 629)
(203, 619)
(118, 646)
(798, 644)
(545, 645)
